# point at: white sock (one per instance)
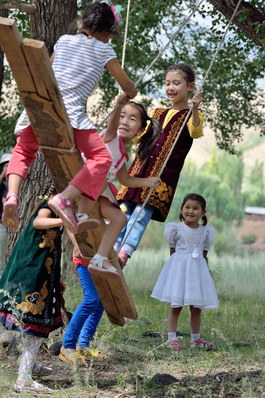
(31, 346)
(128, 249)
(171, 335)
(195, 336)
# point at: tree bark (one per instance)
(48, 23)
(254, 15)
(3, 13)
(51, 20)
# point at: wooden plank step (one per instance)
(31, 68)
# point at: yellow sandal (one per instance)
(92, 354)
(72, 357)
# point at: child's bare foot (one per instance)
(10, 217)
(102, 264)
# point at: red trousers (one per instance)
(89, 180)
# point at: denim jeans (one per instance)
(139, 227)
(86, 317)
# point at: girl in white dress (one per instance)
(185, 279)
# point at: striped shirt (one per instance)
(78, 65)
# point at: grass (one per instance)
(234, 369)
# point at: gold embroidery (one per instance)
(48, 264)
(163, 192)
(161, 196)
(160, 160)
(34, 302)
(48, 239)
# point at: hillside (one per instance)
(201, 149)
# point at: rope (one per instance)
(183, 124)
(168, 43)
(125, 34)
(156, 58)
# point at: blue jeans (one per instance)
(139, 227)
(86, 317)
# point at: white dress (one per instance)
(185, 279)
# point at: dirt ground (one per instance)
(127, 375)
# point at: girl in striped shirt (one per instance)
(78, 63)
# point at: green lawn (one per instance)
(234, 369)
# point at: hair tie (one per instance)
(116, 9)
(46, 197)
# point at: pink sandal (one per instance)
(10, 217)
(85, 222)
(123, 258)
(58, 204)
(174, 344)
(76, 223)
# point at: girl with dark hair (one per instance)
(30, 292)
(128, 120)
(179, 84)
(185, 279)
(78, 62)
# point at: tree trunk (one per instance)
(3, 13)
(51, 20)
(48, 23)
(248, 25)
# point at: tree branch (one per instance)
(29, 8)
(248, 26)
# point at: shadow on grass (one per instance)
(221, 385)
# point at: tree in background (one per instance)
(255, 185)
(42, 20)
(231, 95)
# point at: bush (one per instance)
(248, 239)
(225, 243)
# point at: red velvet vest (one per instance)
(162, 197)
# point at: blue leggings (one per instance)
(86, 317)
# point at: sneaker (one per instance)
(123, 258)
(202, 344)
(174, 344)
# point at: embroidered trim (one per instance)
(34, 302)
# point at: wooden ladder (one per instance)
(31, 68)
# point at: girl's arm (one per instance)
(205, 253)
(44, 220)
(136, 182)
(113, 123)
(121, 78)
(52, 57)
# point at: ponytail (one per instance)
(148, 139)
